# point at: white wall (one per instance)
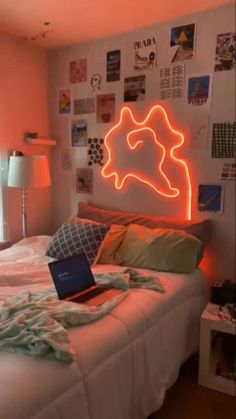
(204, 169)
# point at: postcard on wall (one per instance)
(182, 43)
(84, 180)
(79, 133)
(105, 108)
(83, 106)
(113, 65)
(172, 82)
(228, 171)
(95, 151)
(199, 122)
(78, 71)
(225, 58)
(210, 198)
(65, 160)
(145, 53)
(199, 92)
(224, 140)
(64, 101)
(95, 82)
(134, 89)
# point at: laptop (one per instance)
(74, 281)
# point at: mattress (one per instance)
(124, 362)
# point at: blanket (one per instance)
(36, 323)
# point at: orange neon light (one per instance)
(143, 127)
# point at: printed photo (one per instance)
(210, 198)
(225, 58)
(65, 160)
(83, 106)
(95, 82)
(182, 43)
(113, 65)
(84, 181)
(79, 133)
(64, 101)
(199, 130)
(145, 53)
(78, 71)
(199, 91)
(105, 108)
(172, 82)
(134, 89)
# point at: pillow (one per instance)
(160, 249)
(111, 244)
(75, 236)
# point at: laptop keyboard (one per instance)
(89, 294)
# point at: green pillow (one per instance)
(161, 249)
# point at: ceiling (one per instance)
(74, 21)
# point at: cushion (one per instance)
(199, 229)
(75, 236)
(160, 249)
(111, 244)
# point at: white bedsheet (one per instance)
(124, 361)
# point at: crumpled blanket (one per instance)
(36, 323)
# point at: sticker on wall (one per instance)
(182, 40)
(95, 151)
(78, 71)
(84, 180)
(95, 82)
(79, 133)
(105, 108)
(199, 92)
(228, 171)
(64, 101)
(199, 123)
(210, 198)
(172, 82)
(225, 58)
(145, 53)
(134, 89)
(224, 140)
(83, 106)
(65, 160)
(113, 65)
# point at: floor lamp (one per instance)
(28, 172)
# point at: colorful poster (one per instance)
(210, 198)
(134, 89)
(64, 101)
(199, 92)
(224, 140)
(95, 82)
(113, 65)
(228, 171)
(65, 160)
(172, 82)
(78, 71)
(95, 151)
(182, 43)
(105, 108)
(83, 106)
(79, 133)
(84, 180)
(225, 58)
(199, 130)
(145, 53)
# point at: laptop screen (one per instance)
(71, 275)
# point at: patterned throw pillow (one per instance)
(75, 236)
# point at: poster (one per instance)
(182, 40)
(95, 151)
(172, 82)
(95, 82)
(84, 180)
(134, 89)
(105, 108)
(79, 133)
(65, 160)
(224, 140)
(145, 53)
(78, 71)
(225, 57)
(228, 171)
(83, 106)
(113, 65)
(210, 198)
(199, 123)
(64, 101)
(199, 92)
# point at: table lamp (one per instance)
(28, 172)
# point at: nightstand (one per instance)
(211, 325)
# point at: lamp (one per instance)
(28, 172)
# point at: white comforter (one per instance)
(124, 361)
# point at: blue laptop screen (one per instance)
(71, 275)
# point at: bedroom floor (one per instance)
(187, 400)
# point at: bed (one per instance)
(124, 362)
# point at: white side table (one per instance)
(210, 323)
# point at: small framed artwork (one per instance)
(64, 101)
(210, 198)
(84, 180)
(79, 133)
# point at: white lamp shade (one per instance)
(28, 172)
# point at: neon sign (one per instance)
(135, 134)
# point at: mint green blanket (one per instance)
(36, 323)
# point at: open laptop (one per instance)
(74, 281)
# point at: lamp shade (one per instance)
(28, 172)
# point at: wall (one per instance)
(24, 107)
(204, 169)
